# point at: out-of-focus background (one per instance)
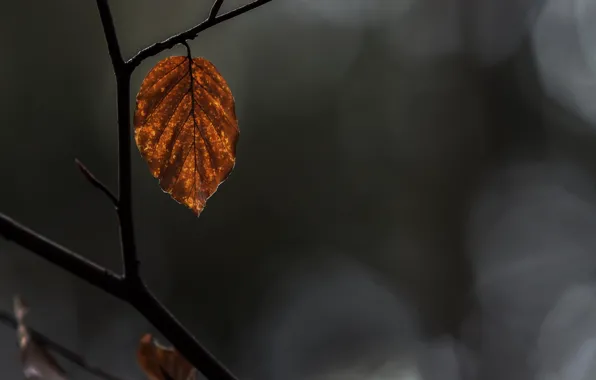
(413, 199)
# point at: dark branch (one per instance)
(134, 293)
(215, 9)
(189, 34)
(97, 183)
(127, 234)
(179, 337)
(8, 320)
(60, 256)
(110, 32)
(129, 251)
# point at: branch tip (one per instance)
(97, 183)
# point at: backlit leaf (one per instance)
(163, 363)
(37, 362)
(186, 128)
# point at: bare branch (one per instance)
(215, 9)
(110, 32)
(179, 336)
(97, 183)
(127, 234)
(134, 293)
(189, 34)
(127, 239)
(8, 320)
(60, 256)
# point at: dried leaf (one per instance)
(163, 363)
(37, 362)
(186, 128)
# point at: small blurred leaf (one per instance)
(186, 128)
(37, 362)
(163, 363)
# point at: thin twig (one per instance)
(215, 9)
(189, 34)
(8, 320)
(97, 183)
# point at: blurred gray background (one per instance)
(413, 198)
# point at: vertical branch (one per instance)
(127, 236)
(110, 33)
(123, 73)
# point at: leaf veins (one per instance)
(186, 128)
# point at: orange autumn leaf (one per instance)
(186, 128)
(163, 363)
